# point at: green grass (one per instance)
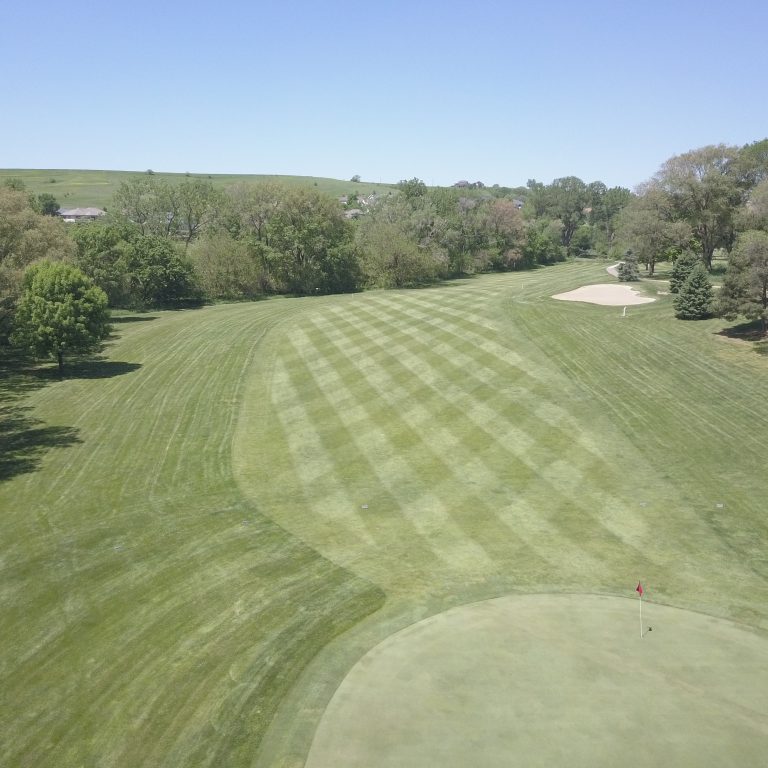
(80, 188)
(559, 680)
(187, 561)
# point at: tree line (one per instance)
(266, 238)
(165, 243)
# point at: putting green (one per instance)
(553, 680)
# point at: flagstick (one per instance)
(641, 617)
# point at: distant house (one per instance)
(71, 215)
(369, 200)
(464, 184)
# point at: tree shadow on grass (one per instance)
(24, 440)
(96, 368)
(131, 319)
(752, 331)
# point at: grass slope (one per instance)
(76, 188)
(188, 533)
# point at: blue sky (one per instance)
(494, 91)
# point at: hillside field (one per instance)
(79, 188)
(207, 529)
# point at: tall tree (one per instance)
(505, 231)
(253, 207)
(754, 214)
(605, 207)
(536, 200)
(148, 203)
(412, 187)
(105, 252)
(704, 188)
(647, 226)
(542, 243)
(60, 312)
(745, 286)
(157, 273)
(196, 203)
(306, 233)
(752, 163)
(569, 198)
(26, 236)
(390, 256)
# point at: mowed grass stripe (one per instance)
(329, 440)
(391, 449)
(317, 348)
(501, 411)
(565, 477)
(409, 432)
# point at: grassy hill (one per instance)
(205, 530)
(73, 188)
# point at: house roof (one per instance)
(70, 213)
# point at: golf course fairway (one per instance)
(213, 532)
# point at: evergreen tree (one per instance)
(694, 299)
(745, 287)
(628, 271)
(681, 269)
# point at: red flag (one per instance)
(639, 589)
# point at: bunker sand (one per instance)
(553, 680)
(606, 294)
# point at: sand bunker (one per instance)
(607, 294)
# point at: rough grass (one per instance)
(246, 482)
(75, 188)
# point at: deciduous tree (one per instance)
(26, 236)
(227, 268)
(197, 202)
(647, 226)
(390, 256)
(305, 234)
(60, 312)
(148, 203)
(47, 204)
(158, 274)
(105, 252)
(704, 188)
